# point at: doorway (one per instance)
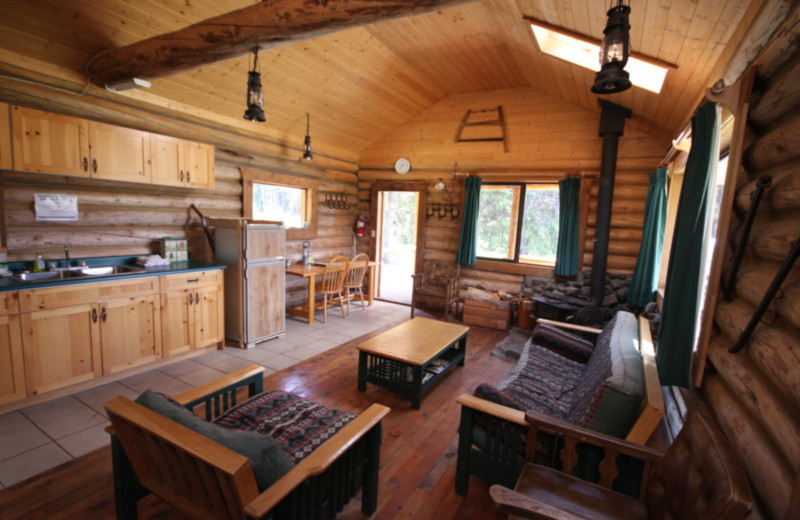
(398, 241)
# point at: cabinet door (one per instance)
(209, 318)
(5, 137)
(60, 347)
(118, 153)
(167, 155)
(130, 332)
(265, 315)
(12, 369)
(199, 165)
(49, 143)
(176, 323)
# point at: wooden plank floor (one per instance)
(418, 454)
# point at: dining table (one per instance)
(310, 272)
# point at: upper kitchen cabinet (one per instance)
(50, 143)
(177, 162)
(5, 138)
(120, 154)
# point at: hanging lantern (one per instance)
(614, 52)
(307, 144)
(255, 99)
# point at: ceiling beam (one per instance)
(267, 24)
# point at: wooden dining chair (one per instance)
(355, 278)
(332, 285)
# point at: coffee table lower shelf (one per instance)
(406, 378)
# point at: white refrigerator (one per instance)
(255, 279)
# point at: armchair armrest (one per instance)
(221, 393)
(510, 502)
(488, 407)
(570, 326)
(316, 463)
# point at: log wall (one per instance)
(546, 140)
(755, 394)
(117, 218)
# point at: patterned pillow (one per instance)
(298, 425)
(565, 343)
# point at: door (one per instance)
(199, 163)
(175, 314)
(50, 143)
(118, 153)
(167, 160)
(207, 315)
(265, 289)
(399, 213)
(130, 332)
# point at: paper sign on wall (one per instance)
(55, 206)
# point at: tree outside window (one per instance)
(279, 203)
(518, 222)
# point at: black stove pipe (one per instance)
(612, 126)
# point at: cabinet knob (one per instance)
(85, 164)
(196, 298)
(190, 298)
(188, 177)
(104, 315)
(94, 315)
(94, 165)
(181, 175)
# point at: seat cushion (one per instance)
(562, 342)
(298, 425)
(266, 457)
(612, 388)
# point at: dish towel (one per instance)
(152, 261)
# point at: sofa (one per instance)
(608, 385)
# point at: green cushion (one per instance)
(266, 457)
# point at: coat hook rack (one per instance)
(437, 209)
(337, 200)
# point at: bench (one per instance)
(203, 478)
(493, 430)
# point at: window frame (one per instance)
(310, 186)
(517, 222)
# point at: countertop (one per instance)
(10, 283)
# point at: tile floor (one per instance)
(43, 436)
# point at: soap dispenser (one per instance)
(38, 263)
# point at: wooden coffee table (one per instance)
(411, 357)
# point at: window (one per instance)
(284, 198)
(584, 52)
(518, 223)
(284, 203)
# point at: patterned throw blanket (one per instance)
(299, 425)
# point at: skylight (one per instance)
(584, 53)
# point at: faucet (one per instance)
(66, 255)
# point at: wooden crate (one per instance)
(495, 314)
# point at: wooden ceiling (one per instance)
(359, 84)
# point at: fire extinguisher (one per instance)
(360, 226)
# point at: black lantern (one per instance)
(255, 99)
(614, 53)
(307, 144)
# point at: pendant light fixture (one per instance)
(614, 52)
(255, 99)
(307, 145)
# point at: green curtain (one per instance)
(569, 193)
(467, 246)
(645, 275)
(680, 309)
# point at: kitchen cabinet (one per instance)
(74, 333)
(46, 142)
(12, 369)
(118, 153)
(5, 137)
(192, 311)
(50, 143)
(178, 162)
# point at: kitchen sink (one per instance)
(46, 275)
(110, 270)
(80, 272)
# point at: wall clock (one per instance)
(402, 166)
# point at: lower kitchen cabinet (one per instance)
(130, 332)
(12, 368)
(61, 347)
(192, 311)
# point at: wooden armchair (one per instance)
(332, 285)
(203, 479)
(355, 279)
(439, 285)
(697, 478)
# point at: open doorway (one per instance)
(398, 240)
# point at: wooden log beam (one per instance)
(264, 25)
(783, 195)
(771, 149)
